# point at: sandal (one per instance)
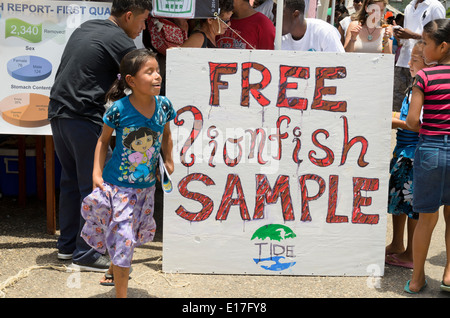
(109, 276)
(445, 287)
(394, 260)
(409, 291)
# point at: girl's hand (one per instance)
(99, 157)
(387, 33)
(97, 182)
(354, 30)
(396, 122)
(169, 166)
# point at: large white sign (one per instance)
(33, 35)
(282, 162)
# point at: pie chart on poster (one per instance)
(25, 110)
(29, 68)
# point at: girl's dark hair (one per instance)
(130, 65)
(438, 30)
(137, 134)
(120, 7)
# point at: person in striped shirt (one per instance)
(432, 156)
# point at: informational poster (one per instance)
(185, 8)
(281, 162)
(33, 35)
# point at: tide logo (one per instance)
(271, 255)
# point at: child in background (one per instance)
(400, 182)
(432, 158)
(119, 211)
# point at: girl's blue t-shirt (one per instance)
(406, 139)
(138, 142)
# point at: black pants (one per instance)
(75, 141)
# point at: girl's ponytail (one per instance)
(117, 90)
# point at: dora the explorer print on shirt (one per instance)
(138, 142)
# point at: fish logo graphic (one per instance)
(272, 254)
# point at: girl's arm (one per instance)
(167, 147)
(352, 33)
(413, 118)
(100, 156)
(342, 33)
(387, 42)
(398, 123)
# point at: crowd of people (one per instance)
(115, 188)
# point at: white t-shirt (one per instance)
(415, 20)
(266, 9)
(320, 36)
(345, 22)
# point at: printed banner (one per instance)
(281, 162)
(33, 35)
(185, 8)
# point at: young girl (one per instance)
(119, 211)
(432, 158)
(400, 182)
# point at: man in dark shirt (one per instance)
(89, 66)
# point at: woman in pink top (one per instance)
(432, 157)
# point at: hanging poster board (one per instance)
(187, 9)
(281, 162)
(33, 35)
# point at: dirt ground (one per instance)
(29, 268)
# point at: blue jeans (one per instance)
(75, 141)
(431, 173)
